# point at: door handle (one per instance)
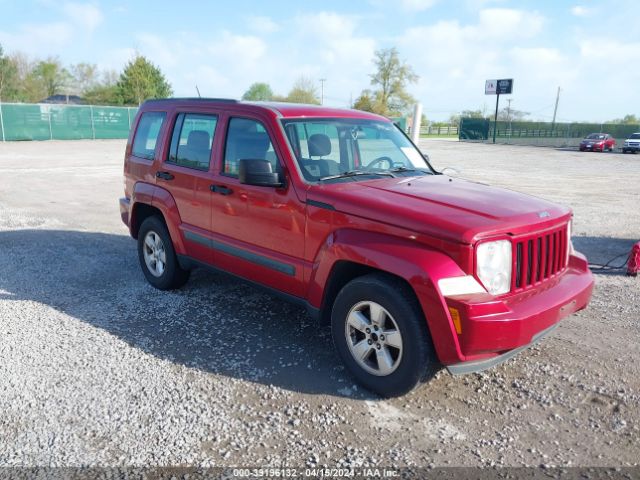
(221, 189)
(164, 175)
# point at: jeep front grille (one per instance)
(538, 257)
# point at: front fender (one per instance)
(418, 264)
(158, 197)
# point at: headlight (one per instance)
(493, 266)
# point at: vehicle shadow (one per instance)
(600, 250)
(215, 323)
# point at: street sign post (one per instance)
(498, 87)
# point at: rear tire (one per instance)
(381, 335)
(158, 257)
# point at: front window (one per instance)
(634, 136)
(247, 139)
(596, 136)
(352, 149)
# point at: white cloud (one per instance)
(454, 59)
(116, 59)
(581, 11)
(86, 15)
(38, 39)
(242, 51)
(219, 65)
(417, 5)
(262, 24)
(330, 47)
(610, 51)
(507, 22)
(157, 49)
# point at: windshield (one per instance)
(596, 136)
(634, 136)
(330, 149)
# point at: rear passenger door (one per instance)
(186, 174)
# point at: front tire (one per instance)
(158, 257)
(381, 335)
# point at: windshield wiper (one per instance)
(354, 173)
(405, 169)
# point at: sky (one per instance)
(590, 49)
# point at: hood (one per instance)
(596, 140)
(441, 206)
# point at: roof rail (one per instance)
(191, 99)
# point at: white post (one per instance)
(93, 126)
(2, 123)
(50, 129)
(417, 118)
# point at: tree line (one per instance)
(25, 80)
(31, 81)
(388, 95)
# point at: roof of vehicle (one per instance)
(282, 109)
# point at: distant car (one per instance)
(632, 144)
(598, 142)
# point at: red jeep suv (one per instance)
(339, 211)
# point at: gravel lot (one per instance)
(99, 369)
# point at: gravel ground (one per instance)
(99, 369)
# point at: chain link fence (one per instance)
(20, 121)
(540, 133)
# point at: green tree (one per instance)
(303, 91)
(391, 78)
(142, 80)
(8, 77)
(628, 119)
(52, 76)
(258, 91)
(509, 114)
(474, 113)
(103, 95)
(85, 77)
(105, 92)
(365, 102)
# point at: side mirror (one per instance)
(254, 171)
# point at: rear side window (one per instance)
(192, 139)
(247, 139)
(146, 139)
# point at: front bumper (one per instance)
(631, 148)
(494, 330)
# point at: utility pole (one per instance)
(509, 115)
(495, 118)
(322, 80)
(555, 110)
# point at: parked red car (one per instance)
(337, 210)
(598, 141)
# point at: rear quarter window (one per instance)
(147, 133)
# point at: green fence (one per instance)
(540, 133)
(20, 121)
